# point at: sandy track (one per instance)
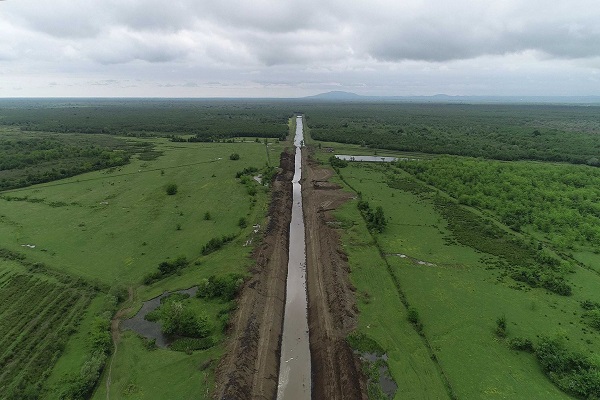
(250, 367)
(332, 311)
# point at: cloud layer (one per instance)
(408, 47)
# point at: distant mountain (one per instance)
(336, 95)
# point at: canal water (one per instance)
(294, 370)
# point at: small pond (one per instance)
(149, 329)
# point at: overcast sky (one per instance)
(279, 48)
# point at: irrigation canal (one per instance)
(294, 370)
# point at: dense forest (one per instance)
(27, 159)
(503, 132)
(560, 201)
(146, 117)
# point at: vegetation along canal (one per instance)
(294, 370)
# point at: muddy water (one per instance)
(294, 369)
(149, 329)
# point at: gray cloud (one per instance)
(305, 44)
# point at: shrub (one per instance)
(181, 320)
(165, 269)
(413, 318)
(592, 318)
(337, 163)
(522, 344)
(589, 305)
(234, 156)
(242, 223)
(501, 327)
(215, 244)
(224, 287)
(171, 189)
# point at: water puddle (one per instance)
(149, 329)
(414, 260)
(386, 383)
(294, 368)
(366, 158)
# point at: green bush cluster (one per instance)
(546, 278)
(375, 219)
(337, 162)
(521, 344)
(166, 268)
(178, 319)
(224, 287)
(215, 244)
(572, 372)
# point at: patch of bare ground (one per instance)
(250, 367)
(332, 311)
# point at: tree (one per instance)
(234, 156)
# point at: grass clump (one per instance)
(364, 344)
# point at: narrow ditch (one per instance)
(294, 369)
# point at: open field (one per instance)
(117, 225)
(458, 292)
(113, 228)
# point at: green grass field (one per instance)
(117, 225)
(37, 313)
(113, 227)
(459, 296)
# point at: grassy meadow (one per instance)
(112, 228)
(458, 293)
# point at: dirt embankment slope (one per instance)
(332, 311)
(250, 367)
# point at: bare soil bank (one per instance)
(250, 368)
(332, 311)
